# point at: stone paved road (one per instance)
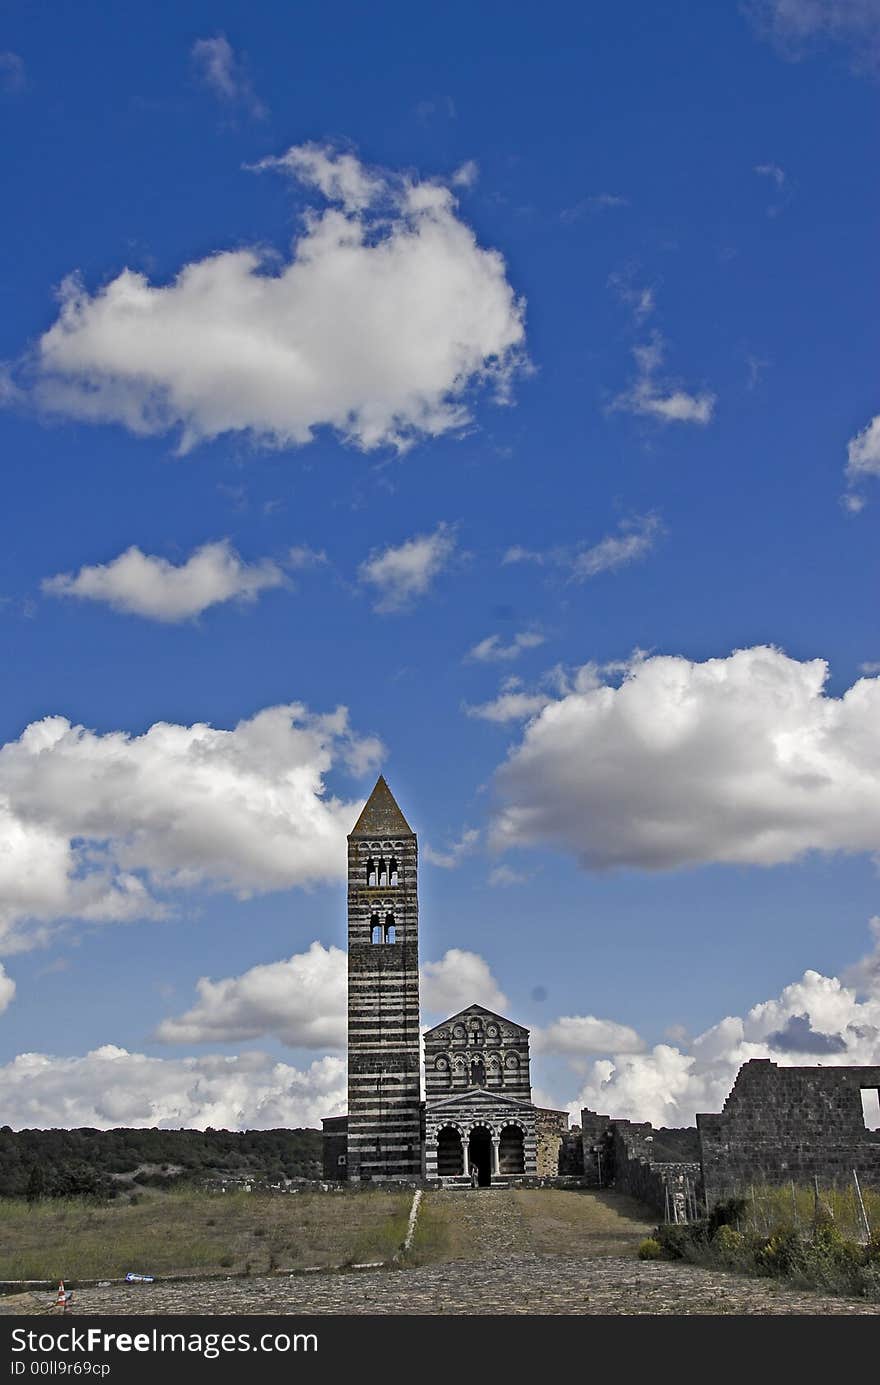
(521, 1284)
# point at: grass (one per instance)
(564, 1221)
(549, 1221)
(193, 1231)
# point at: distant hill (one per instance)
(53, 1162)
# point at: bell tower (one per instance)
(384, 1135)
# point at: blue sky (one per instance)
(496, 377)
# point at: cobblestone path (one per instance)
(520, 1284)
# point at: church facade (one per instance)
(477, 1123)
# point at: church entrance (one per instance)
(480, 1155)
(450, 1156)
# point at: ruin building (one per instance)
(477, 1122)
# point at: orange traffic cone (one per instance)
(63, 1297)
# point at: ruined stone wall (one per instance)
(550, 1130)
(782, 1124)
(619, 1153)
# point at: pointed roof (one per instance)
(381, 816)
(475, 1009)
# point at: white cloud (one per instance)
(459, 979)
(338, 177)
(816, 1019)
(863, 453)
(112, 1087)
(493, 650)
(301, 556)
(635, 540)
(7, 990)
(518, 554)
(91, 825)
(301, 1001)
(504, 876)
(639, 298)
(741, 759)
(659, 399)
(143, 585)
(794, 26)
(378, 326)
(453, 854)
(467, 175)
(771, 171)
(13, 78)
(510, 706)
(404, 572)
(224, 72)
(577, 1035)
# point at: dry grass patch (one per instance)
(188, 1231)
(574, 1221)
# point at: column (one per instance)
(466, 1166)
(495, 1165)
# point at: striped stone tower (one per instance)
(384, 1137)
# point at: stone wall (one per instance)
(782, 1124)
(619, 1153)
(550, 1130)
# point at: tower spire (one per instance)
(381, 816)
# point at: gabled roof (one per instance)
(381, 816)
(476, 1010)
(476, 1096)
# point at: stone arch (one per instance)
(450, 1152)
(511, 1148)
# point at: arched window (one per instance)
(390, 929)
(393, 872)
(375, 929)
(383, 875)
(478, 1073)
(371, 873)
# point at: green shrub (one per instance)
(650, 1249)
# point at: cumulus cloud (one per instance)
(378, 326)
(7, 990)
(795, 26)
(493, 650)
(863, 459)
(658, 398)
(635, 540)
(453, 854)
(301, 1001)
(225, 73)
(402, 573)
(94, 825)
(143, 585)
(741, 759)
(574, 1036)
(111, 1087)
(459, 979)
(816, 1019)
(510, 705)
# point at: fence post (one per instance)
(863, 1215)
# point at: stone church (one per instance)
(477, 1121)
